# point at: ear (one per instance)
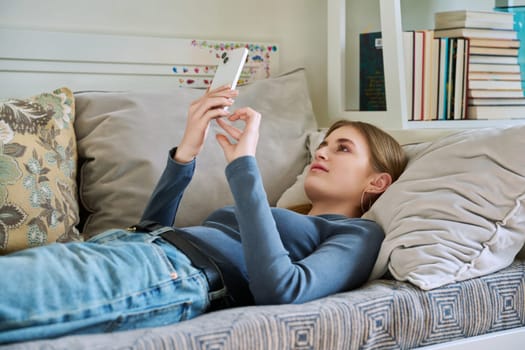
(379, 183)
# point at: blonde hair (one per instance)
(386, 154)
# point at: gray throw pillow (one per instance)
(124, 138)
(458, 210)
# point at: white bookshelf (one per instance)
(396, 115)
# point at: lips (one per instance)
(318, 167)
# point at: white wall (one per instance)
(299, 26)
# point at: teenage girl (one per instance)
(125, 279)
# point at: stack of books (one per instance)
(491, 77)
(465, 68)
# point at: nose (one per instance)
(320, 153)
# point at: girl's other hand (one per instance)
(245, 140)
(210, 106)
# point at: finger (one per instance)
(246, 112)
(217, 93)
(216, 101)
(221, 88)
(225, 144)
(201, 109)
(230, 129)
(248, 115)
(214, 113)
(223, 140)
(224, 90)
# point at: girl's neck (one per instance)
(330, 208)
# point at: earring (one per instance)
(362, 205)
(362, 199)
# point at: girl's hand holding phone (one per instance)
(201, 112)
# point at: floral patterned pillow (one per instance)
(38, 160)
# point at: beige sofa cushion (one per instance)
(295, 195)
(458, 211)
(124, 138)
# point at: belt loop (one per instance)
(160, 231)
(150, 227)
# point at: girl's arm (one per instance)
(165, 199)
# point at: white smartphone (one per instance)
(229, 68)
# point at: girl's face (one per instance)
(341, 170)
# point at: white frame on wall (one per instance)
(396, 115)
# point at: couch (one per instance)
(76, 164)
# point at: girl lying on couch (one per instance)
(153, 274)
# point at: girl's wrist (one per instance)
(182, 156)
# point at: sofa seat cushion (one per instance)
(384, 314)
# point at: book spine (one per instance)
(464, 98)
(408, 46)
(439, 90)
(371, 73)
(435, 79)
(445, 67)
(415, 54)
(459, 78)
(451, 77)
(423, 74)
(418, 75)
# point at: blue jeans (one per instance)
(116, 281)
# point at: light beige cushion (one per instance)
(457, 212)
(295, 194)
(38, 160)
(124, 139)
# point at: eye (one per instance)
(343, 148)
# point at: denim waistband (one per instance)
(218, 294)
